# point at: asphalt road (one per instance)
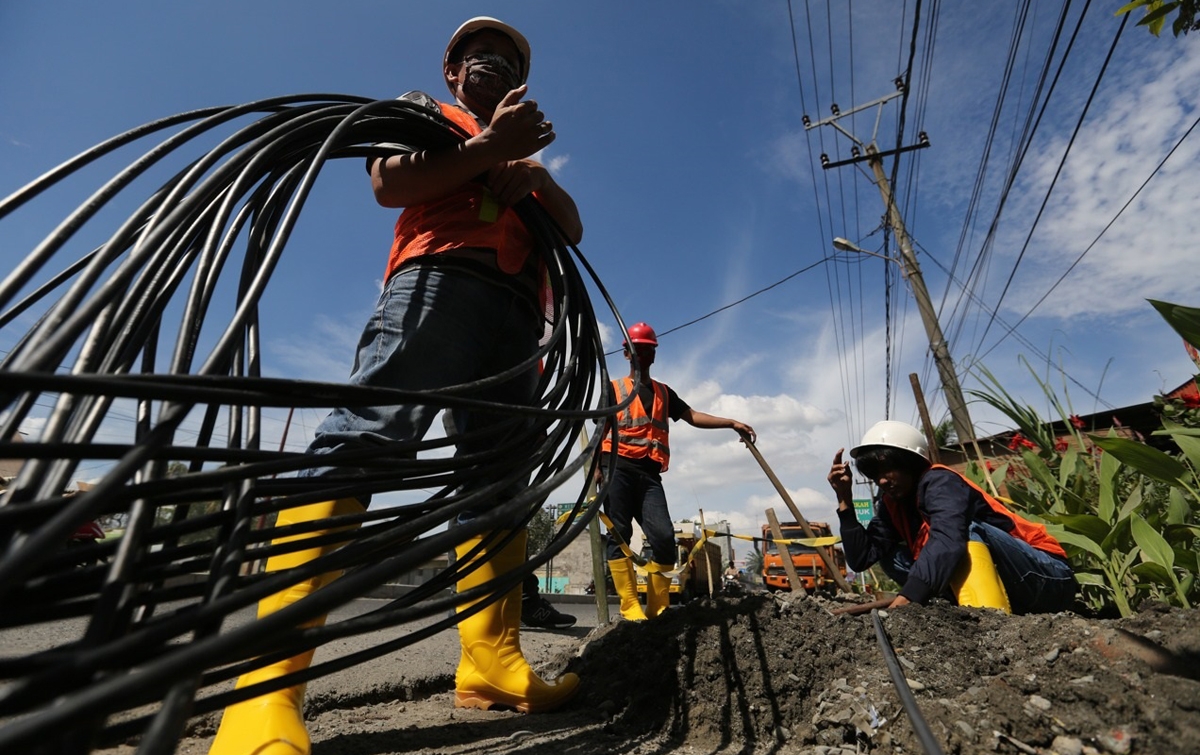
(433, 657)
(430, 662)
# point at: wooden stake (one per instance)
(788, 566)
(926, 423)
(597, 544)
(712, 589)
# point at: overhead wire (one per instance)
(858, 333)
(1054, 180)
(1010, 329)
(904, 209)
(969, 363)
(958, 314)
(832, 281)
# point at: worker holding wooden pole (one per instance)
(641, 454)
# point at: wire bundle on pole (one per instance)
(130, 323)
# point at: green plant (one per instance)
(754, 561)
(1127, 513)
(1157, 12)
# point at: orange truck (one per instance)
(810, 568)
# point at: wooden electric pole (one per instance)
(908, 260)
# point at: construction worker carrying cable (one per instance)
(635, 492)
(460, 303)
(938, 534)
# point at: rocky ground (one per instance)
(756, 674)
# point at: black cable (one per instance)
(920, 726)
(202, 248)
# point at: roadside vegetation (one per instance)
(1127, 513)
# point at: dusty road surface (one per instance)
(754, 674)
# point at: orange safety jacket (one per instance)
(1022, 529)
(468, 217)
(640, 435)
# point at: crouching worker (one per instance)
(938, 534)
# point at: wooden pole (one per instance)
(597, 544)
(785, 554)
(862, 607)
(926, 423)
(934, 455)
(712, 589)
(822, 551)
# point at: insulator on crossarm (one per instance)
(806, 121)
(923, 138)
(836, 110)
(899, 82)
(824, 159)
(854, 152)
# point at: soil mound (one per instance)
(760, 674)
(757, 674)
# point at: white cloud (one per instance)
(324, 352)
(1129, 130)
(557, 163)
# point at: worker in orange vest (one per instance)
(938, 534)
(461, 301)
(643, 453)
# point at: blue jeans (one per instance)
(1035, 581)
(435, 327)
(631, 496)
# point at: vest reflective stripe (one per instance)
(467, 217)
(641, 435)
(1022, 529)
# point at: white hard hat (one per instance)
(479, 23)
(894, 434)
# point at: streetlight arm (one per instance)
(845, 245)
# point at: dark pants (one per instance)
(634, 496)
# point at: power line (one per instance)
(1104, 230)
(1058, 171)
(746, 298)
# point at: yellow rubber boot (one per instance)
(273, 724)
(976, 582)
(626, 583)
(493, 671)
(658, 591)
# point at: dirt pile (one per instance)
(751, 675)
(760, 675)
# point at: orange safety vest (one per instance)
(640, 435)
(1022, 529)
(468, 217)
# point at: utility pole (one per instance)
(908, 260)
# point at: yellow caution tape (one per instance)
(813, 542)
(650, 567)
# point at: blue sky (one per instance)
(680, 138)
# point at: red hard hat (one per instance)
(642, 333)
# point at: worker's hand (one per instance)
(518, 129)
(898, 602)
(840, 479)
(744, 430)
(512, 181)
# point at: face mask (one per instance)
(486, 78)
